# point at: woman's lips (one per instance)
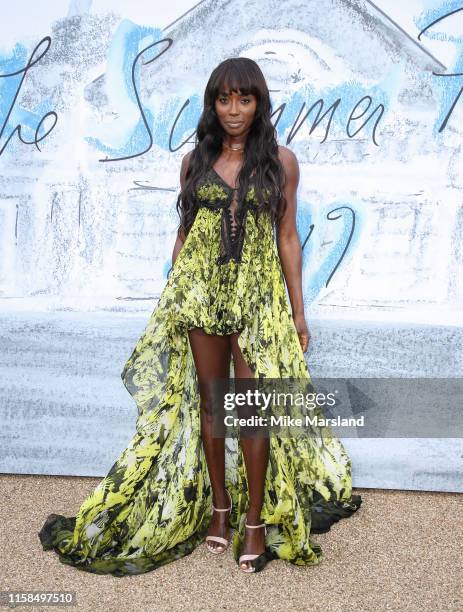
(234, 124)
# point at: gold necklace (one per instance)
(233, 148)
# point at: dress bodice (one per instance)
(215, 194)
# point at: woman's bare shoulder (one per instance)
(286, 156)
(186, 160)
(184, 166)
(289, 161)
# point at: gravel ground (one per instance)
(401, 551)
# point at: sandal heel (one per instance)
(223, 541)
(257, 562)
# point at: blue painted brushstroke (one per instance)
(28, 119)
(448, 87)
(318, 276)
(129, 39)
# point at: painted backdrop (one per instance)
(96, 113)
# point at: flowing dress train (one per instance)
(154, 505)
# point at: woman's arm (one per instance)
(180, 233)
(289, 246)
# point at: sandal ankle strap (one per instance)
(224, 509)
(220, 509)
(256, 526)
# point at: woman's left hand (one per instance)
(302, 331)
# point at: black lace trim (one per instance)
(233, 222)
(233, 225)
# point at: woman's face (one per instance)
(236, 112)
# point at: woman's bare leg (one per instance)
(256, 453)
(212, 355)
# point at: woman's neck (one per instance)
(234, 143)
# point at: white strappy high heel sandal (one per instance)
(219, 550)
(257, 562)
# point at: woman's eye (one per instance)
(225, 100)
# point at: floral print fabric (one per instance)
(154, 505)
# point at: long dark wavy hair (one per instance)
(243, 75)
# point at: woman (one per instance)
(224, 306)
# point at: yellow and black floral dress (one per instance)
(154, 505)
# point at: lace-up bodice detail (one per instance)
(216, 194)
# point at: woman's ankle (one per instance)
(253, 516)
(220, 499)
